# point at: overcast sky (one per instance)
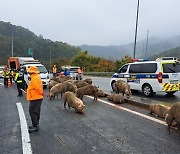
(94, 22)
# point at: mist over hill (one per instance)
(155, 45)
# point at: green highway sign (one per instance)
(30, 52)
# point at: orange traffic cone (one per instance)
(9, 83)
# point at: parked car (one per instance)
(73, 71)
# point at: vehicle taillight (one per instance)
(160, 77)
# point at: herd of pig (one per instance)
(73, 92)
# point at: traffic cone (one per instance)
(9, 83)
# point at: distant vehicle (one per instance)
(1, 70)
(15, 62)
(150, 76)
(73, 71)
(42, 72)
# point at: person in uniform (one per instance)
(6, 75)
(19, 79)
(34, 96)
(54, 70)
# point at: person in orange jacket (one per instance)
(34, 96)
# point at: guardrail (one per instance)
(107, 74)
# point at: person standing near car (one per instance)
(19, 79)
(54, 71)
(34, 96)
(6, 75)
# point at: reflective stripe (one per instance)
(171, 87)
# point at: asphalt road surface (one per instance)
(103, 129)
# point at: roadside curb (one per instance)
(133, 102)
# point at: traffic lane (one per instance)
(102, 129)
(10, 135)
(104, 84)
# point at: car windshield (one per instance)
(42, 69)
(171, 67)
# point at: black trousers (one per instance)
(34, 111)
(6, 82)
(19, 87)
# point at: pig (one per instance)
(51, 84)
(88, 80)
(110, 97)
(73, 102)
(173, 114)
(116, 98)
(101, 93)
(70, 87)
(159, 110)
(87, 90)
(80, 84)
(123, 86)
(55, 90)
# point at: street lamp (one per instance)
(12, 46)
(136, 30)
(147, 42)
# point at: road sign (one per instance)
(30, 51)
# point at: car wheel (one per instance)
(147, 90)
(170, 93)
(113, 85)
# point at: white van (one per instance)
(150, 76)
(42, 72)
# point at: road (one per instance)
(104, 128)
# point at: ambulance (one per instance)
(161, 75)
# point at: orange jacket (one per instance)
(35, 88)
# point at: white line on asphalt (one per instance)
(134, 112)
(24, 130)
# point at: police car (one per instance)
(161, 75)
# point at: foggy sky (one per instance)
(94, 22)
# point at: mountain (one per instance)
(154, 46)
(170, 53)
(23, 39)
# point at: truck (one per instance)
(16, 62)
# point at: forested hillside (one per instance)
(24, 39)
(170, 53)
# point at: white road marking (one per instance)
(134, 112)
(1, 84)
(24, 130)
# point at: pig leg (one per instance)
(69, 106)
(64, 104)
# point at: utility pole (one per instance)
(12, 46)
(134, 55)
(143, 51)
(147, 43)
(50, 56)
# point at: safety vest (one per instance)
(19, 78)
(54, 69)
(6, 74)
(79, 71)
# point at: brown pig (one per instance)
(173, 114)
(73, 102)
(123, 86)
(159, 110)
(87, 90)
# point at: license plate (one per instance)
(173, 82)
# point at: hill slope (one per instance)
(24, 39)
